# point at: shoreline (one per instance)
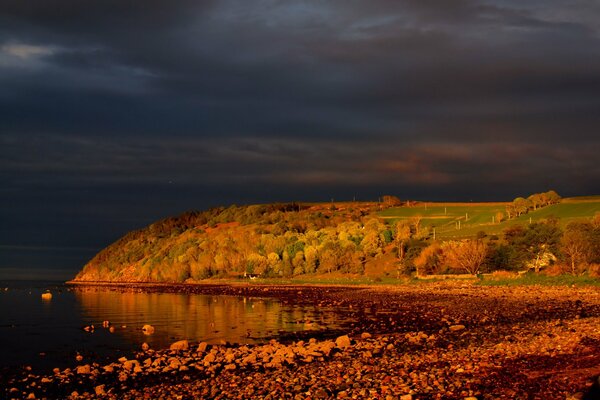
(450, 340)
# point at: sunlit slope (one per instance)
(457, 220)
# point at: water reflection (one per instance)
(197, 317)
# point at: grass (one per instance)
(543, 280)
(447, 217)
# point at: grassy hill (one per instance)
(477, 217)
(308, 239)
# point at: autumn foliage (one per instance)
(285, 240)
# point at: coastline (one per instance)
(448, 339)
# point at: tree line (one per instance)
(289, 240)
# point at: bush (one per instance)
(594, 270)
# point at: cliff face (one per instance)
(271, 240)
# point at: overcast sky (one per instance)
(116, 113)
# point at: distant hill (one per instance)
(285, 240)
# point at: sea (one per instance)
(48, 333)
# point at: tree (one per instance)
(372, 243)
(274, 262)
(535, 246)
(416, 224)
(511, 211)
(256, 264)
(391, 201)
(521, 206)
(311, 256)
(428, 260)
(467, 255)
(536, 200)
(552, 197)
(401, 238)
(499, 217)
(576, 245)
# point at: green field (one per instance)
(460, 220)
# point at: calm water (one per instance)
(48, 334)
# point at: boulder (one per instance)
(202, 347)
(83, 369)
(210, 358)
(130, 364)
(180, 345)
(342, 342)
(249, 359)
(455, 328)
(100, 390)
(148, 329)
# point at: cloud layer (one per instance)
(116, 113)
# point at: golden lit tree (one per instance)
(467, 255)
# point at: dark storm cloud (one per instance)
(113, 113)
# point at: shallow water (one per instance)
(48, 333)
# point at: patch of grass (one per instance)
(540, 279)
(446, 218)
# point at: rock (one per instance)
(83, 369)
(406, 397)
(111, 329)
(148, 329)
(31, 396)
(46, 380)
(365, 335)
(122, 359)
(455, 328)
(130, 364)
(74, 394)
(209, 358)
(78, 358)
(202, 347)
(249, 359)
(342, 342)
(145, 346)
(180, 345)
(46, 296)
(105, 324)
(100, 390)
(470, 398)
